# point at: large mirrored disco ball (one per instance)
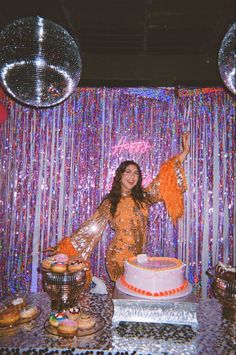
(40, 63)
(227, 59)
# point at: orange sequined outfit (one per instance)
(130, 220)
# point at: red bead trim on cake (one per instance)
(153, 294)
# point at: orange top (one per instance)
(130, 221)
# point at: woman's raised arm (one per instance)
(186, 147)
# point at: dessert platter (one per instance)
(64, 279)
(154, 278)
(16, 312)
(74, 323)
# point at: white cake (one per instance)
(155, 277)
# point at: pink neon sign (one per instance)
(139, 147)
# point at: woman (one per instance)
(126, 208)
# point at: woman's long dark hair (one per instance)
(137, 191)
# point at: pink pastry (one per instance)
(67, 326)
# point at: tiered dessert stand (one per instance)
(64, 290)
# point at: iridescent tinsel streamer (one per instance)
(57, 164)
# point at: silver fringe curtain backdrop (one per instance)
(58, 163)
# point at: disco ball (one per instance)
(227, 59)
(40, 63)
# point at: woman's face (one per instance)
(129, 178)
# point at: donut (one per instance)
(229, 276)
(58, 267)
(9, 316)
(74, 266)
(67, 326)
(85, 321)
(61, 258)
(18, 303)
(46, 263)
(29, 312)
(73, 313)
(227, 272)
(56, 318)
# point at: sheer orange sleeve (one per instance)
(83, 241)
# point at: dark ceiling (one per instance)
(139, 42)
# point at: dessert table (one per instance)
(214, 334)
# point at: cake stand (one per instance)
(132, 308)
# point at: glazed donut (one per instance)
(46, 263)
(85, 321)
(9, 316)
(67, 326)
(18, 303)
(74, 266)
(73, 313)
(227, 272)
(61, 258)
(58, 267)
(29, 312)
